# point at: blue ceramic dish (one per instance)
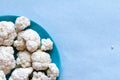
(43, 34)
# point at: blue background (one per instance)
(84, 31)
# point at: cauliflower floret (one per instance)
(39, 76)
(31, 45)
(29, 39)
(7, 33)
(40, 60)
(21, 23)
(19, 44)
(24, 59)
(7, 49)
(21, 74)
(2, 75)
(53, 71)
(47, 44)
(7, 61)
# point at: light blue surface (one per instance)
(84, 31)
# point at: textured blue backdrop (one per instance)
(84, 31)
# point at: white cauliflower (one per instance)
(39, 76)
(7, 61)
(19, 44)
(7, 49)
(27, 42)
(28, 39)
(24, 59)
(47, 44)
(21, 74)
(2, 75)
(21, 23)
(40, 60)
(52, 71)
(7, 33)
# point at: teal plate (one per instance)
(43, 34)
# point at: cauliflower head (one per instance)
(7, 49)
(40, 60)
(2, 75)
(39, 76)
(7, 61)
(24, 59)
(21, 23)
(19, 44)
(21, 74)
(7, 33)
(28, 39)
(52, 71)
(32, 58)
(47, 44)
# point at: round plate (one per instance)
(43, 34)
